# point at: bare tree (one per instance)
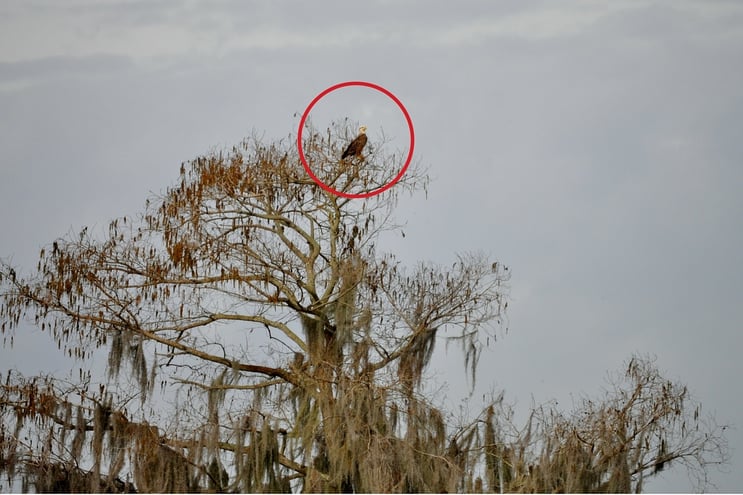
(643, 424)
(289, 352)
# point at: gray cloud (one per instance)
(24, 72)
(593, 147)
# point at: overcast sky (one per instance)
(593, 147)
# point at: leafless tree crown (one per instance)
(259, 340)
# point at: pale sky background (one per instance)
(593, 147)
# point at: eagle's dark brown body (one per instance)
(354, 149)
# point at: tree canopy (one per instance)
(259, 339)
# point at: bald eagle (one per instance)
(354, 149)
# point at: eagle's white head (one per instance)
(362, 129)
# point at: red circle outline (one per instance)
(330, 90)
